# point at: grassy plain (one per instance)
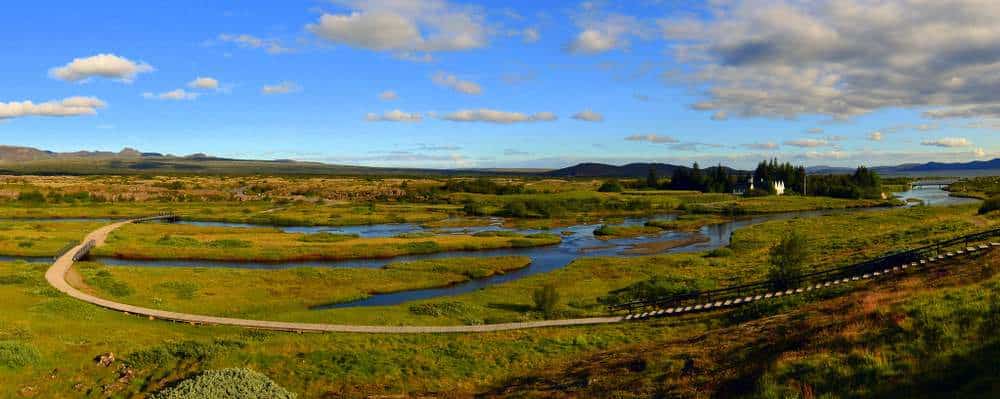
(257, 293)
(39, 238)
(917, 334)
(172, 241)
(834, 240)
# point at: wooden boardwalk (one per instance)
(56, 276)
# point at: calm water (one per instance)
(581, 243)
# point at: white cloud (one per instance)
(948, 142)
(652, 138)
(602, 32)
(388, 95)
(530, 35)
(453, 82)
(592, 41)
(875, 136)
(173, 95)
(494, 116)
(72, 106)
(285, 87)
(588, 116)
(394, 116)
(272, 46)
(979, 153)
(844, 58)
(404, 26)
(762, 146)
(102, 65)
(205, 83)
(815, 130)
(807, 143)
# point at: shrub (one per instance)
(517, 209)
(497, 233)
(787, 261)
(610, 186)
(720, 253)
(230, 244)
(990, 205)
(422, 247)
(15, 355)
(224, 384)
(546, 300)
(657, 287)
(327, 237)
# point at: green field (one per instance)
(846, 341)
(171, 241)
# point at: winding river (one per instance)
(578, 242)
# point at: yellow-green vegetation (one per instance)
(926, 336)
(470, 267)
(617, 231)
(41, 238)
(977, 187)
(687, 222)
(263, 293)
(169, 241)
(43, 330)
(832, 240)
(784, 203)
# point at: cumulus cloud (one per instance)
(388, 95)
(394, 116)
(807, 143)
(601, 32)
(173, 95)
(72, 106)
(454, 83)
(102, 65)
(875, 136)
(844, 58)
(285, 87)
(948, 142)
(762, 146)
(204, 83)
(272, 46)
(588, 116)
(652, 138)
(494, 116)
(404, 26)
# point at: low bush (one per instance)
(720, 253)
(230, 244)
(422, 247)
(990, 205)
(546, 300)
(15, 355)
(327, 237)
(226, 384)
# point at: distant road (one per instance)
(56, 276)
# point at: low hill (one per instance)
(636, 170)
(960, 169)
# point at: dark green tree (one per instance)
(547, 300)
(788, 260)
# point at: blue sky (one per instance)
(440, 83)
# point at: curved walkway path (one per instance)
(56, 276)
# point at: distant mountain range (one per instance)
(961, 169)
(27, 160)
(610, 171)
